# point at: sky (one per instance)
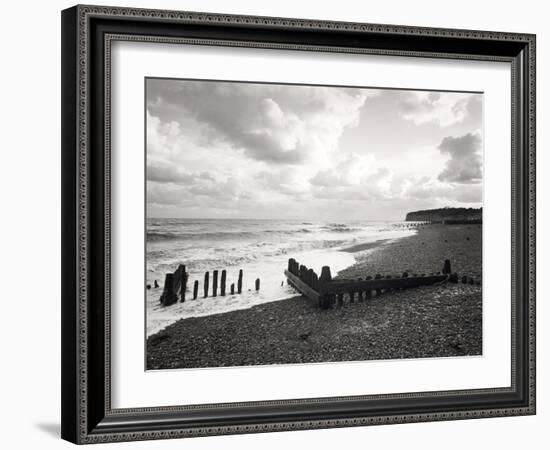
(264, 151)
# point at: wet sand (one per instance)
(430, 321)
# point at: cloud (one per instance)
(169, 139)
(442, 108)
(171, 174)
(351, 171)
(283, 181)
(464, 165)
(203, 191)
(440, 193)
(270, 123)
(217, 149)
(354, 177)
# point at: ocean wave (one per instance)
(205, 260)
(154, 236)
(340, 228)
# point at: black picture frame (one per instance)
(87, 31)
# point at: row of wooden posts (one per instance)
(175, 285)
(326, 291)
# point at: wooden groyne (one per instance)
(175, 285)
(322, 289)
(326, 292)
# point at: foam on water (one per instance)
(260, 248)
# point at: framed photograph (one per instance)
(278, 224)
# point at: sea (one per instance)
(261, 248)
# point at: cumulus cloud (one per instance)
(217, 192)
(441, 108)
(217, 149)
(161, 173)
(427, 189)
(464, 164)
(353, 178)
(269, 122)
(351, 171)
(283, 181)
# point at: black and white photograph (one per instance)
(292, 224)
(276, 220)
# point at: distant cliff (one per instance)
(446, 215)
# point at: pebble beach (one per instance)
(441, 320)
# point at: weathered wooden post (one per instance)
(388, 277)
(314, 281)
(326, 300)
(303, 270)
(215, 283)
(222, 287)
(291, 265)
(168, 296)
(184, 279)
(352, 297)
(360, 293)
(310, 277)
(257, 284)
(232, 288)
(180, 281)
(340, 299)
(240, 282)
(177, 279)
(378, 277)
(446, 267)
(195, 289)
(368, 293)
(206, 282)
(325, 274)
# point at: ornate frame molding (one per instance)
(78, 424)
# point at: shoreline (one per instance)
(424, 252)
(159, 317)
(429, 321)
(368, 245)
